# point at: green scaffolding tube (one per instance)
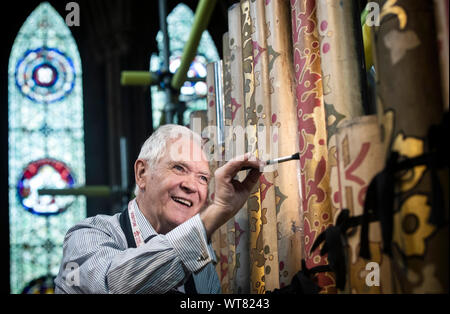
(138, 78)
(201, 20)
(91, 191)
(202, 16)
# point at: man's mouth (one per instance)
(182, 201)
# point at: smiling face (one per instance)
(176, 188)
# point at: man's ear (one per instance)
(140, 173)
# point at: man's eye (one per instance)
(205, 179)
(178, 167)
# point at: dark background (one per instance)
(114, 35)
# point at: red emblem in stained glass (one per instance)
(45, 173)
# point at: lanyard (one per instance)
(139, 240)
(137, 234)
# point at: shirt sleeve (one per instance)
(155, 267)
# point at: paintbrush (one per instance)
(276, 161)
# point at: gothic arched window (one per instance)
(46, 147)
(179, 23)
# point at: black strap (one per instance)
(303, 282)
(379, 202)
(125, 224)
(335, 238)
(189, 285)
(437, 136)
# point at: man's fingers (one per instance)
(251, 179)
(231, 168)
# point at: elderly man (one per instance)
(160, 243)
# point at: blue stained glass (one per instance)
(192, 92)
(45, 147)
(45, 75)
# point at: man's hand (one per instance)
(230, 194)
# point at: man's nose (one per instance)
(189, 185)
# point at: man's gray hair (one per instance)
(155, 146)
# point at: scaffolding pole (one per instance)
(201, 20)
(90, 191)
(138, 78)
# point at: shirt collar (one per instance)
(147, 228)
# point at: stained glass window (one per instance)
(46, 147)
(179, 22)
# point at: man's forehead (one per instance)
(186, 149)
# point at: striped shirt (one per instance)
(96, 258)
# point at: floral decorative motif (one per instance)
(264, 186)
(239, 233)
(234, 108)
(311, 126)
(391, 7)
(412, 220)
(279, 198)
(254, 204)
(331, 112)
(257, 51)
